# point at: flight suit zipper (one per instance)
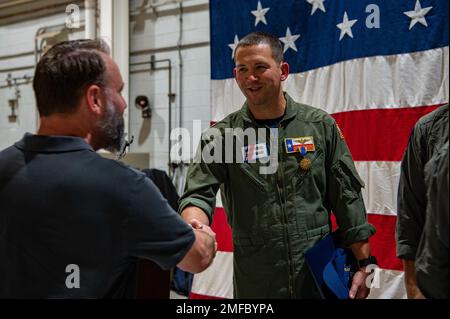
(282, 196)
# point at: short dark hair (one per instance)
(63, 73)
(256, 38)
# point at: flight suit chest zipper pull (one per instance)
(253, 178)
(281, 193)
(286, 232)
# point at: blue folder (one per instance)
(332, 267)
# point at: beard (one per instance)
(111, 129)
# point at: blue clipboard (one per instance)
(332, 267)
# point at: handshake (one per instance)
(197, 225)
(204, 249)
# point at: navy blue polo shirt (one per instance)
(66, 211)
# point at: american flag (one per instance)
(376, 66)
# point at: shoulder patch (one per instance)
(340, 132)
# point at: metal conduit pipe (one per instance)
(42, 30)
(174, 166)
(180, 58)
(37, 49)
(35, 52)
(90, 9)
(169, 48)
(22, 82)
(16, 55)
(170, 95)
(34, 12)
(18, 68)
(37, 46)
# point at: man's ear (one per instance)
(234, 72)
(284, 71)
(94, 99)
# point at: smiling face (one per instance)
(259, 76)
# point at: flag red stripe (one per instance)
(382, 244)
(197, 296)
(381, 134)
(222, 230)
(387, 130)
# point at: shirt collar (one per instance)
(52, 144)
(291, 110)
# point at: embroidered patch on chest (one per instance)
(302, 144)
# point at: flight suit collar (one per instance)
(291, 110)
(52, 144)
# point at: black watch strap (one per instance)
(367, 261)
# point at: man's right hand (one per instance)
(204, 249)
(194, 216)
(197, 225)
(412, 290)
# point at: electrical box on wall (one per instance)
(12, 118)
(143, 103)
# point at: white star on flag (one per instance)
(316, 4)
(234, 45)
(346, 27)
(289, 40)
(260, 13)
(418, 15)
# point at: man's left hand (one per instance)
(360, 289)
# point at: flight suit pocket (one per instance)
(248, 241)
(348, 178)
(254, 266)
(253, 176)
(318, 232)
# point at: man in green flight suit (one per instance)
(429, 134)
(278, 213)
(432, 258)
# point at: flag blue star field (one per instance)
(376, 66)
(313, 40)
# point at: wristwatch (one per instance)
(367, 261)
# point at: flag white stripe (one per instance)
(217, 280)
(380, 82)
(391, 285)
(381, 186)
(219, 200)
